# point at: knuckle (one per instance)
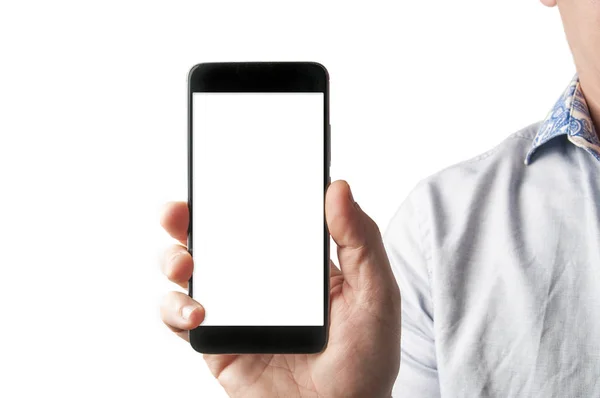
(170, 272)
(173, 256)
(375, 227)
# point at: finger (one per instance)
(174, 219)
(333, 270)
(336, 279)
(181, 313)
(177, 265)
(361, 252)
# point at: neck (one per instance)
(590, 86)
(595, 114)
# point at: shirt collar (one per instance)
(570, 116)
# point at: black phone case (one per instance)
(261, 77)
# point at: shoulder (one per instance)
(510, 153)
(471, 188)
(504, 160)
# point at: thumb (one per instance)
(361, 252)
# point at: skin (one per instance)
(581, 21)
(362, 357)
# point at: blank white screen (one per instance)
(258, 210)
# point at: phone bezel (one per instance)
(261, 77)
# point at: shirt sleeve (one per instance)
(403, 239)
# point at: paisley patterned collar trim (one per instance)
(570, 116)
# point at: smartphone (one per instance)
(258, 170)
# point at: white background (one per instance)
(93, 141)
(258, 199)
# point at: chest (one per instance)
(517, 307)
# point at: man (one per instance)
(497, 259)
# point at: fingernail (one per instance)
(186, 311)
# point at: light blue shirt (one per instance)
(498, 263)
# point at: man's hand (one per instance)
(362, 357)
